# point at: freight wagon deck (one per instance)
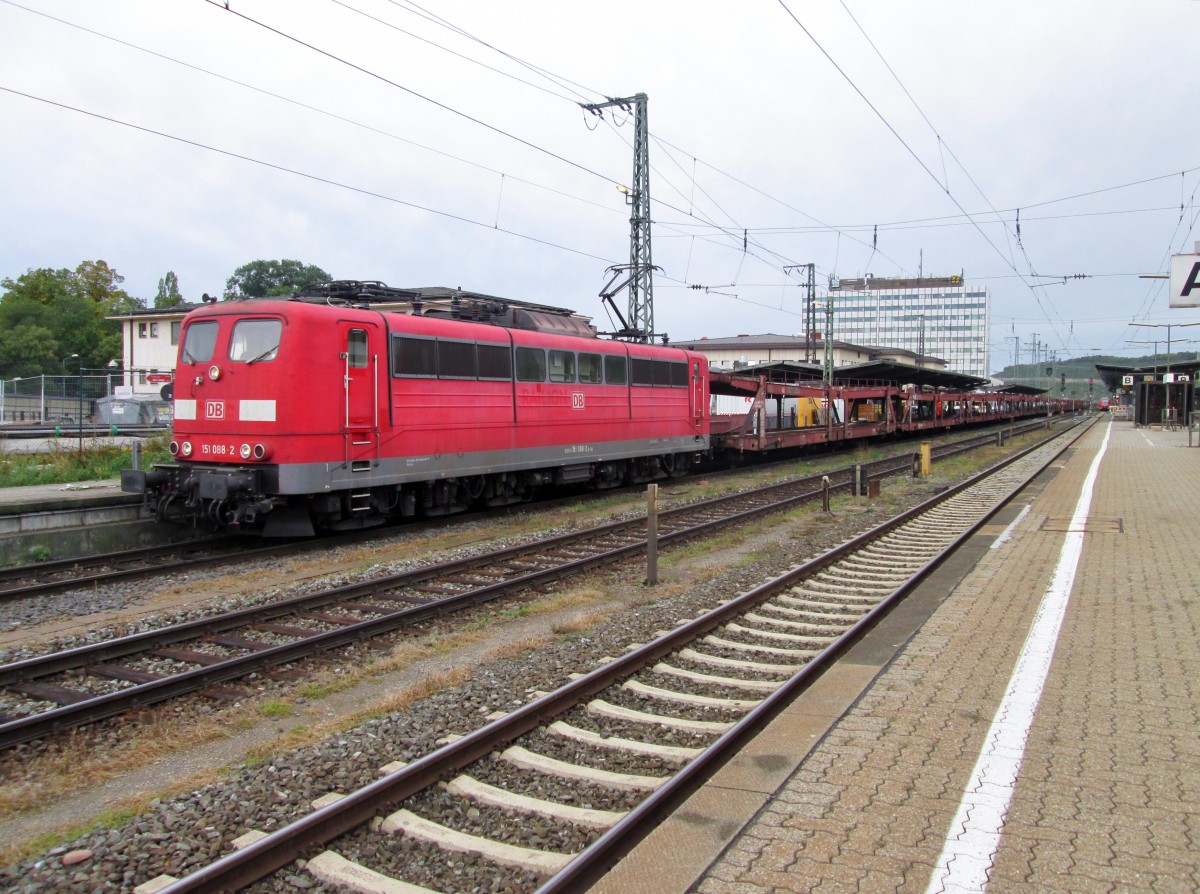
(777, 407)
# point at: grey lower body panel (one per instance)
(320, 477)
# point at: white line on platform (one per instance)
(974, 835)
(1007, 533)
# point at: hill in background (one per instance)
(1078, 371)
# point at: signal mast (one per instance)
(638, 274)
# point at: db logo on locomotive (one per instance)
(214, 409)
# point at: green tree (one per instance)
(99, 282)
(168, 291)
(29, 350)
(47, 314)
(260, 279)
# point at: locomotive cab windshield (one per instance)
(253, 341)
(200, 342)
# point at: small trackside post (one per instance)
(652, 535)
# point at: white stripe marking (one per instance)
(1007, 533)
(974, 835)
(256, 410)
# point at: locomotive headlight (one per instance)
(186, 448)
(261, 451)
(244, 451)
(214, 372)
(173, 448)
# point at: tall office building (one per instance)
(938, 317)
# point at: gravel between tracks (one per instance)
(176, 835)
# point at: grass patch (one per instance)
(275, 708)
(113, 818)
(39, 553)
(694, 549)
(314, 691)
(119, 816)
(577, 623)
(73, 766)
(609, 503)
(66, 463)
(520, 648)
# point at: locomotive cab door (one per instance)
(361, 343)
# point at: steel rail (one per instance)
(32, 668)
(84, 563)
(89, 710)
(36, 726)
(80, 564)
(598, 858)
(248, 865)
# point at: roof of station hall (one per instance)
(875, 372)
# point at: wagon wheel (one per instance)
(474, 486)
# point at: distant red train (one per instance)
(330, 411)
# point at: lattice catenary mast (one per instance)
(639, 272)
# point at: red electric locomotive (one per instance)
(331, 410)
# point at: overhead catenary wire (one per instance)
(217, 4)
(502, 174)
(580, 91)
(1032, 287)
(313, 177)
(820, 224)
(542, 71)
(320, 179)
(560, 80)
(415, 93)
(942, 145)
(730, 237)
(928, 223)
(312, 108)
(464, 57)
(1155, 289)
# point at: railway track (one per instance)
(38, 579)
(47, 694)
(651, 725)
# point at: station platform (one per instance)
(38, 498)
(61, 521)
(1029, 720)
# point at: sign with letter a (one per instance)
(1185, 280)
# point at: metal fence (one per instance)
(50, 399)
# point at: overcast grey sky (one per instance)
(441, 143)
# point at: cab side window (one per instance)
(591, 369)
(356, 348)
(562, 366)
(531, 365)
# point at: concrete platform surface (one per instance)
(902, 787)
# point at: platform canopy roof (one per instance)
(793, 372)
(1112, 375)
(906, 374)
(1017, 389)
